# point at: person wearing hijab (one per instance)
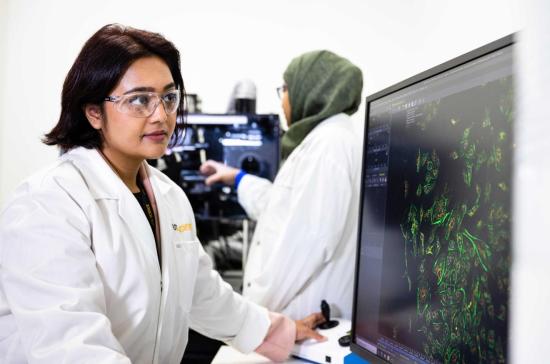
(303, 248)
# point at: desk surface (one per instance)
(228, 355)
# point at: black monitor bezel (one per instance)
(444, 67)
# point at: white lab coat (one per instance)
(303, 248)
(80, 279)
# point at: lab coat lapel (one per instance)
(161, 189)
(131, 212)
(105, 184)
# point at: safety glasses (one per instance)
(142, 104)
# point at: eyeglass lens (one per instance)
(145, 104)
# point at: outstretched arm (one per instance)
(219, 312)
(253, 191)
(218, 172)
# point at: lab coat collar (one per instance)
(104, 184)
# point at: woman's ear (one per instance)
(94, 115)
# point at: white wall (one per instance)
(220, 42)
(3, 31)
(531, 268)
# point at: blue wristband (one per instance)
(238, 178)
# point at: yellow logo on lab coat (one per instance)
(182, 228)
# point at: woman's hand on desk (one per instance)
(305, 328)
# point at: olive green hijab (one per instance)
(320, 85)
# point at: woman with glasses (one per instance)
(99, 257)
(303, 249)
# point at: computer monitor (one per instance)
(433, 263)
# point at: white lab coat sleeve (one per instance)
(218, 312)
(253, 194)
(50, 280)
(310, 231)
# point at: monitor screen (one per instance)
(433, 262)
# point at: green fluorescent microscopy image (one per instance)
(455, 226)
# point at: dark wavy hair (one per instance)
(97, 70)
